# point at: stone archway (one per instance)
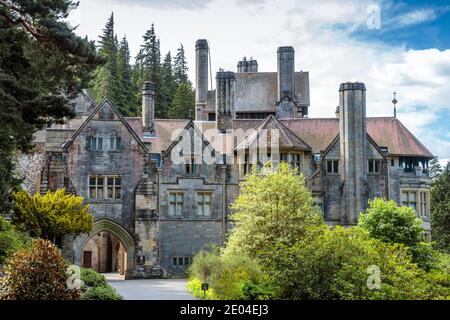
(115, 229)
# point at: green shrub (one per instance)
(258, 291)
(424, 255)
(226, 275)
(205, 264)
(336, 263)
(195, 287)
(386, 221)
(39, 273)
(105, 292)
(92, 278)
(11, 240)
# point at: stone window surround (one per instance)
(177, 203)
(334, 166)
(114, 140)
(418, 200)
(374, 166)
(176, 261)
(197, 202)
(105, 187)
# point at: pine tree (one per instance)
(40, 58)
(180, 68)
(183, 103)
(148, 68)
(126, 101)
(435, 168)
(168, 85)
(106, 81)
(440, 210)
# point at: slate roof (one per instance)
(314, 134)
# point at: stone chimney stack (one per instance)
(148, 106)
(286, 72)
(353, 157)
(201, 78)
(225, 91)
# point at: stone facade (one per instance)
(162, 211)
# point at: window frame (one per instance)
(115, 143)
(104, 186)
(98, 143)
(179, 204)
(334, 166)
(201, 204)
(375, 164)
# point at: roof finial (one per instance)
(395, 104)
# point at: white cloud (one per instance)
(416, 17)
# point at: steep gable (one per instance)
(106, 111)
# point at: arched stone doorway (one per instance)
(107, 248)
(104, 253)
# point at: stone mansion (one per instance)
(152, 214)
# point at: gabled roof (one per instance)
(287, 139)
(190, 125)
(104, 102)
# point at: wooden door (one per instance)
(87, 259)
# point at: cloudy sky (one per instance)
(401, 46)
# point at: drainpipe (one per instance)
(223, 171)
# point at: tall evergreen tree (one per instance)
(180, 68)
(440, 209)
(168, 85)
(148, 68)
(183, 102)
(435, 168)
(40, 58)
(106, 81)
(126, 102)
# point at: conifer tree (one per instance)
(126, 101)
(40, 58)
(106, 81)
(180, 67)
(168, 85)
(148, 68)
(183, 102)
(440, 210)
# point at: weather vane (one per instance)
(395, 104)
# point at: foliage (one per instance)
(440, 210)
(226, 275)
(183, 102)
(11, 240)
(388, 222)
(92, 278)
(258, 291)
(105, 292)
(205, 265)
(273, 207)
(180, 67)
(52, 215)
(40, 58)
(332, 263)
(195, 287)
(39, 273)
(435, 168)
